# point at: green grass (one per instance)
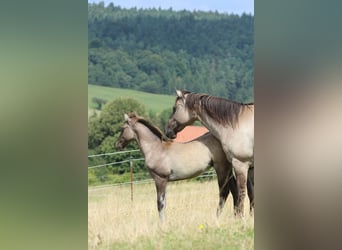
(154, 102)
(208, 238)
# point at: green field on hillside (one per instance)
(155, 102)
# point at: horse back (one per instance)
(214, 146)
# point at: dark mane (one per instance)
(155, 130)
(222, 110)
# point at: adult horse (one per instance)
(230, 122)
(171, 161)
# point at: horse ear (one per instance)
(179, 93)
(126, 117)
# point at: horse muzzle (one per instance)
(119, 146)
(170, 134)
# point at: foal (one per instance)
(171, 161)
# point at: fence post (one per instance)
(131, 175)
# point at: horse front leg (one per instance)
(250, 189)
(161, 184)
(241, 172)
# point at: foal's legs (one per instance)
(222, 179)
(234, 191)
(161, 184)
(241, 171)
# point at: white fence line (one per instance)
(115, 163)
(95, 188)
(114, 153)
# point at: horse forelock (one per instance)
(132, 115)
(222, 110)
(184, 92)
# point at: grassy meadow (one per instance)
(114, 222)
(155, 102)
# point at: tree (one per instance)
(109, 122)
(99, 102)
(156, 50)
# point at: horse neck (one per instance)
(147, 140)
(212, 125)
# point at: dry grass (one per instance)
(114, 222)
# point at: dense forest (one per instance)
(155, 50)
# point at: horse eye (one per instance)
(174, 109)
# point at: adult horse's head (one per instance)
(181, 116)
(127, 134)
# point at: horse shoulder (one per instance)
(238, 147)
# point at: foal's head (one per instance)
(127, 133)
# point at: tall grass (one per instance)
(114, 222)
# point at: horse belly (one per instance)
(191, 166)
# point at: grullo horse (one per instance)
(230, 122)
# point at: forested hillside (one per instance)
(156, 50)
